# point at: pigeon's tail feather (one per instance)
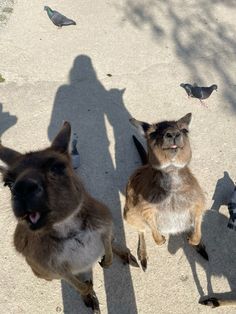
(142, 153)
(68, 22)
(182, 85)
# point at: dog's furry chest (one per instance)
(80, 252)
(173, 214)
(174, 209)
(79, 248)
(68, 246)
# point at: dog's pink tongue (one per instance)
(34, 217)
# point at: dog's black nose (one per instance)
(173, 134)
(27, 187)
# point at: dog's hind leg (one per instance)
(135, 220)
(85, 289)
(108, 257)
(195, 237)
(142, 250)
(124, 254)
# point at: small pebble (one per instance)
(183, 278)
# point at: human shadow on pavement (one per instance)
(92, 111)
(6, 120)
(223, 191)
(220, 244)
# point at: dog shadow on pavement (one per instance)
(220, 244)
(92, 110)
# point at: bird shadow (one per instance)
(6, 120)
(95, 114)
(219, 241)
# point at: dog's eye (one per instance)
(153, 135)
(57, 168)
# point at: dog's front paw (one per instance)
(194, 240)
(105, 262)
(87, 287)
(160, 241)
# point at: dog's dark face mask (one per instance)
(43, 185)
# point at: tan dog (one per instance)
(61, 231)
(163, 194)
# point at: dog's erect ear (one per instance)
(184, 122)
(2, 169)
(62, 140)
(8, 155)
(140, 125)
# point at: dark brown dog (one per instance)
(163, 194)
(61, 231)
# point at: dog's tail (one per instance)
(141, 151)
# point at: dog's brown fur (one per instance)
(73, 230)
(163, 194)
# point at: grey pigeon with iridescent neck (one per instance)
(57, 18)
(199, 92)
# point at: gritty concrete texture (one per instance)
(148, 48)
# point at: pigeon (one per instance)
(196, 91)
(75, 155)
(57, 18)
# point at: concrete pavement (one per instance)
(149, 48)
